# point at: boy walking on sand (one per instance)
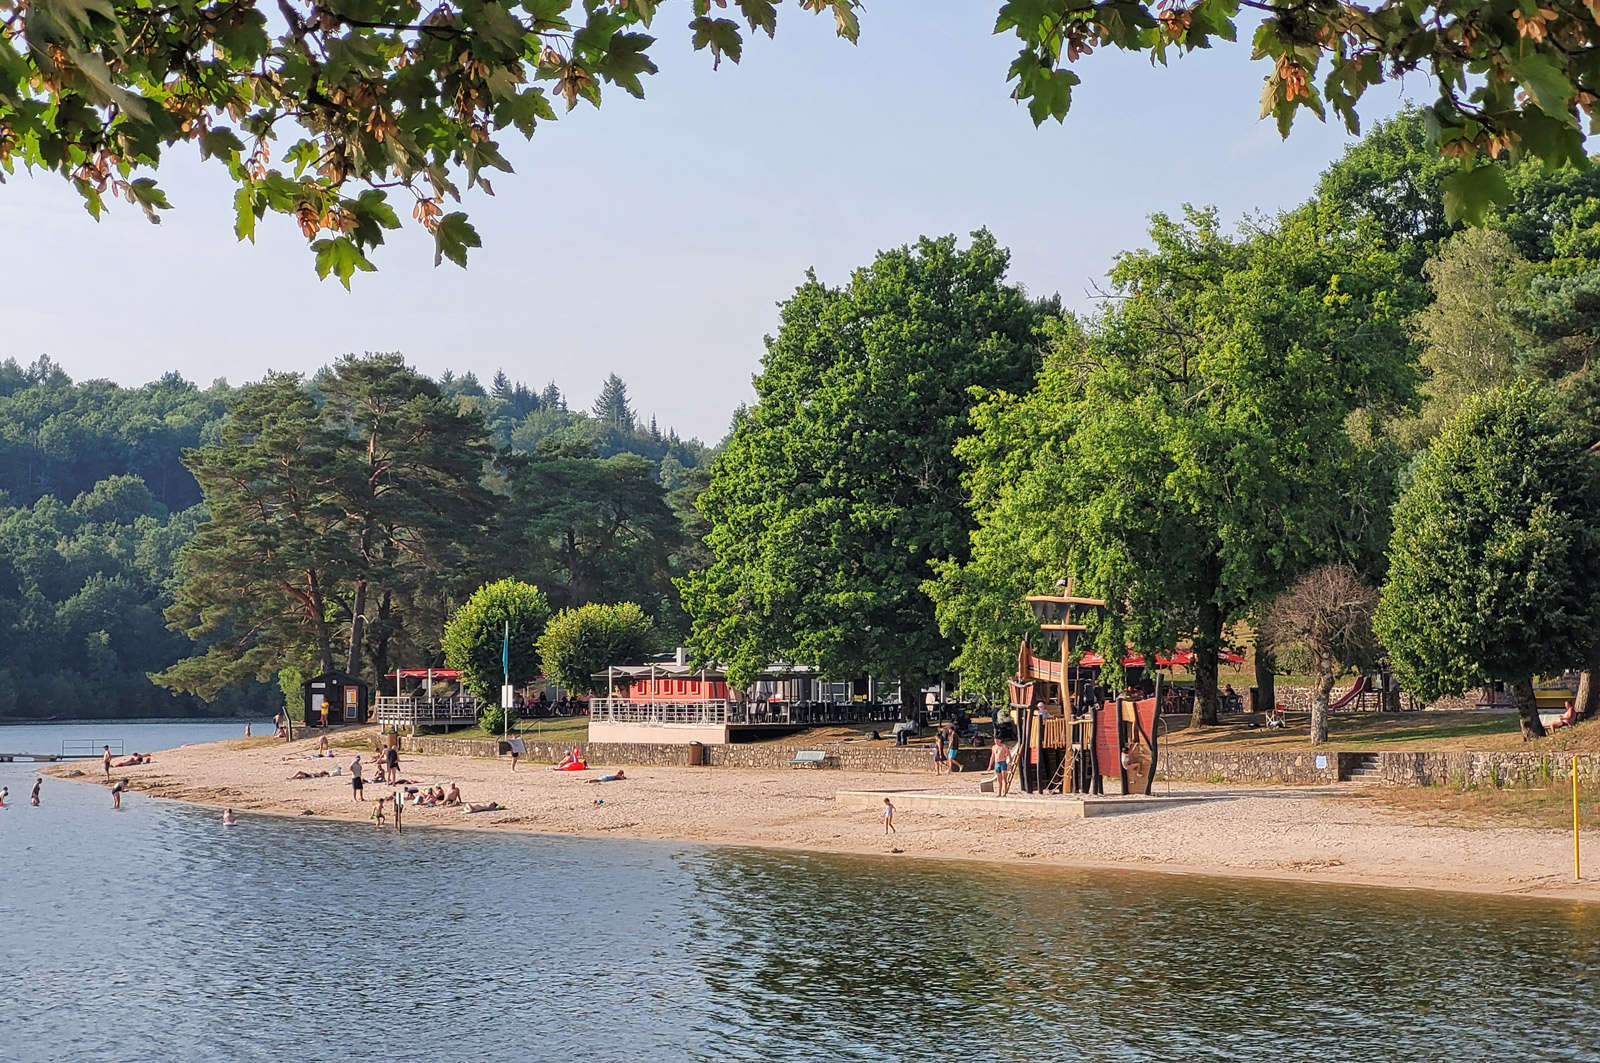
(888, 817)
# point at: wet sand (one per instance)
(1326, 834)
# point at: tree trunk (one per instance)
(1528, 710)
(1319, 705)
(358, 626)
(1587, 700)
(1266, 677)
(1208, 640)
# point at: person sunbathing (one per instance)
(453, 795)
(309, 775)
(136, 759)
(486, 806)
(620, 776)
(1567, 718)
(570, 761)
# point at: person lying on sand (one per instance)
(482, 806)
(618, 777)
(136, 759)
(309, 775)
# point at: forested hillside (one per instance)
(97, 502)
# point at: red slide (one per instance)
(1362, 685)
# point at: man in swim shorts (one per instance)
(105, 761)
(391, 759)
(355, 779)
(999, 760)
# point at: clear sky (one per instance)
(654, 239)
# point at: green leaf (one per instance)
(342, 258)
(451, 238)
(1552, 92)
(1048, 92)
(625, 60)
(721, 35)
(760, 14)
(1469, 195)
(145, 193)
(248, 208)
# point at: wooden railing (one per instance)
(456, 711)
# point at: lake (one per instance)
(154, 933)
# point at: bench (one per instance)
(812, 758)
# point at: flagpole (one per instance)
(505, 666)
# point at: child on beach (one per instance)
(377, 813)
(888, 817)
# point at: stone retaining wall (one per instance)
(1294, 767)
(1290, 767)
(1482, 769)
(765, 755)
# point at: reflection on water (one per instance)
(156, 934)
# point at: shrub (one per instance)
(579, 642)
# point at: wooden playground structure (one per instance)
(1070, 736)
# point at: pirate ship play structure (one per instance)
(1070, 736)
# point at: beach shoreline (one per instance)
(1322, 835)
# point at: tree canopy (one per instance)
(476, 639)
(1494, 571)
(318, 112)
(579, 642)
(1187, 452)
(839, 488)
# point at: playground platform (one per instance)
(1063, 806)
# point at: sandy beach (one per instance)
(1327, 835)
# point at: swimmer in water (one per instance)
(3, 791)
(116, 793)
(36, 784)
(227, 818)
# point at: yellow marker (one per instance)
(1577, 871)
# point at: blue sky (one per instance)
(654, 239)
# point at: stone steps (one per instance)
(1364, 768)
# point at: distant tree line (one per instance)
(259, 520)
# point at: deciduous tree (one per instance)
(1187, 453)
(495, 633)
(1494, 568)
(839, 487)
(1325, 621)
(578, 643)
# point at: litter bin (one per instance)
(697, 755)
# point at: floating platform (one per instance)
(1063, 806)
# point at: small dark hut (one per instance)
(346, 696)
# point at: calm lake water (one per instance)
(154, 933)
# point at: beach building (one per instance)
(346, 697)
(665, 699)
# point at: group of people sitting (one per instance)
(432, 796)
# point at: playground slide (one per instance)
(1363, 684)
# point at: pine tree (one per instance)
(550, 398)
(612, 405)
(501, 387)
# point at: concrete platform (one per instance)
(1064, 806)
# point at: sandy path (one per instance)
(1316, 835)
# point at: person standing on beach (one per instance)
(888, 817)
(518, 747)
(116, 793)
(1000, 764)
(105, 761)
(34, 801)
(391, 759)
(953, 747)
(355, 779)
